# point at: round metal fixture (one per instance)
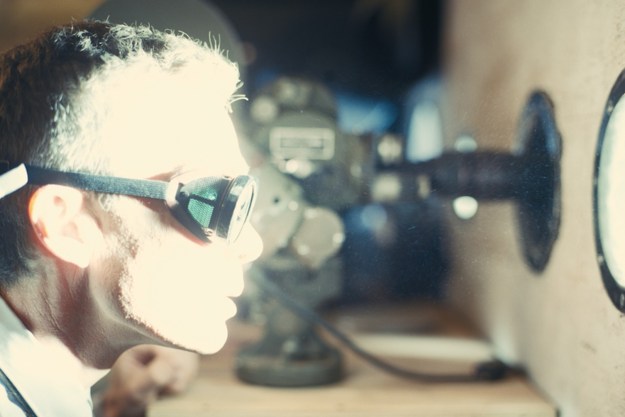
(539, 189)
(529, 176)
(609, 195)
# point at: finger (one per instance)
(186, 366)
(161, 372)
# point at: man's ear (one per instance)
(63, 225)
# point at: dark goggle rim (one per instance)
(233, 201)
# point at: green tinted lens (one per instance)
(216, 206)
(204, 195)
(201, 212)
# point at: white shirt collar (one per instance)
(45, 372)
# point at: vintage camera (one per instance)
(336, 228)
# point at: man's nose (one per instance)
(249, 245)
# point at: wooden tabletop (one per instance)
(365, 391)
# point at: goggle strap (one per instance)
(12, 179)
(98, 183)
(214, 215)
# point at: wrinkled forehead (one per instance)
(162, 122)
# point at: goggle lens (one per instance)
(215, 206)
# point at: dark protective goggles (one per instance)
(207, 206)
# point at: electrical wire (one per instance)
(482, 371)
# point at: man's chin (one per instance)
(205, 341)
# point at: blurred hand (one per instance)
(140, 376)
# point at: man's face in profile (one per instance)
(170, 285)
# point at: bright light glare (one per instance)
(153, 121)
(465, 207)
(611, 194)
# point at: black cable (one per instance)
(483, 371)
